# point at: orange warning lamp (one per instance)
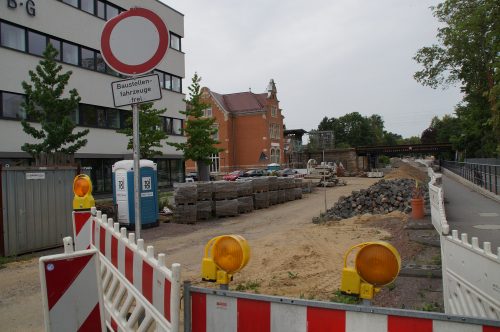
(376, 264)
(82, 188)
(224, 256)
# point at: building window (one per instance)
(87, 58)
(275, 155)
(215, 135)
(73, 3)
(101, 10)
(207, 112)
(175, 41)
(57, 45)
(88, 115)
(70, 53)
(161, 77)
(113, 118)
(36, 43)
(176, 84)
(88, 6)
(215, 165)
(84, 57)
(168, 82)
(274, 131)
(11, 106)
(12, 37)
(111, 11)
(176, 126)
(274, 111)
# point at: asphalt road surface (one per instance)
(470, 212)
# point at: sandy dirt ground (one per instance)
(291, 256)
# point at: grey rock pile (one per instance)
(383, 197)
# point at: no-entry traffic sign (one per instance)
(134, 42)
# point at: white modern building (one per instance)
(74, 28)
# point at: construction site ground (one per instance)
(291, 256)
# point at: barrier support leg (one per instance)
(187, 306)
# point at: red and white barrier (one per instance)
(130, 272)
(82, 227)
(71, 290)
(216, 311)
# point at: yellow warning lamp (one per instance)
(376, 264)
(224, 256)
(82, 187)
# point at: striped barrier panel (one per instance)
(82, 227)
(139, 290)
(224, 311)
(71, 291)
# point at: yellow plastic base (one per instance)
(350, 281)
(208, 270)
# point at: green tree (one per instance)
(150, 130)
(468, 53)
(44, 104)
(200, 131)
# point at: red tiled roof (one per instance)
(242, 101)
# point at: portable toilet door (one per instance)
(123, 190)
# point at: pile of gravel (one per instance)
(383, 197)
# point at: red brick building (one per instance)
(250, 129)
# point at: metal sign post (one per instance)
(124, 49)
(137, 170)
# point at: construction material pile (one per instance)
(204, 200)
(383, 197)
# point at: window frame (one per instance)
(2, 110)
(100, 65)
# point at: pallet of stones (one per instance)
(185, 213)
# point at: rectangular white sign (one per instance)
(136, 90)
(35, 176)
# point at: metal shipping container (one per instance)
(36, 205)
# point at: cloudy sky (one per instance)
(327, 57)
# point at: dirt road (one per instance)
(291, 256)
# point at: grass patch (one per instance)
(340, 297)
(6, 260)
(292, 275)
(252, 285)
(434, 307)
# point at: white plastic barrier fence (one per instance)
(471, 274)
(71, 291)
(436, 197)
(225, 311)
(140, 293)
(471, 277)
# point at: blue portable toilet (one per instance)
(123, 193)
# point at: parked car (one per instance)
(193, 176)
(254, 172)
(287, 172)
(233, 175)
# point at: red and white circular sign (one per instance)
(134, 42)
